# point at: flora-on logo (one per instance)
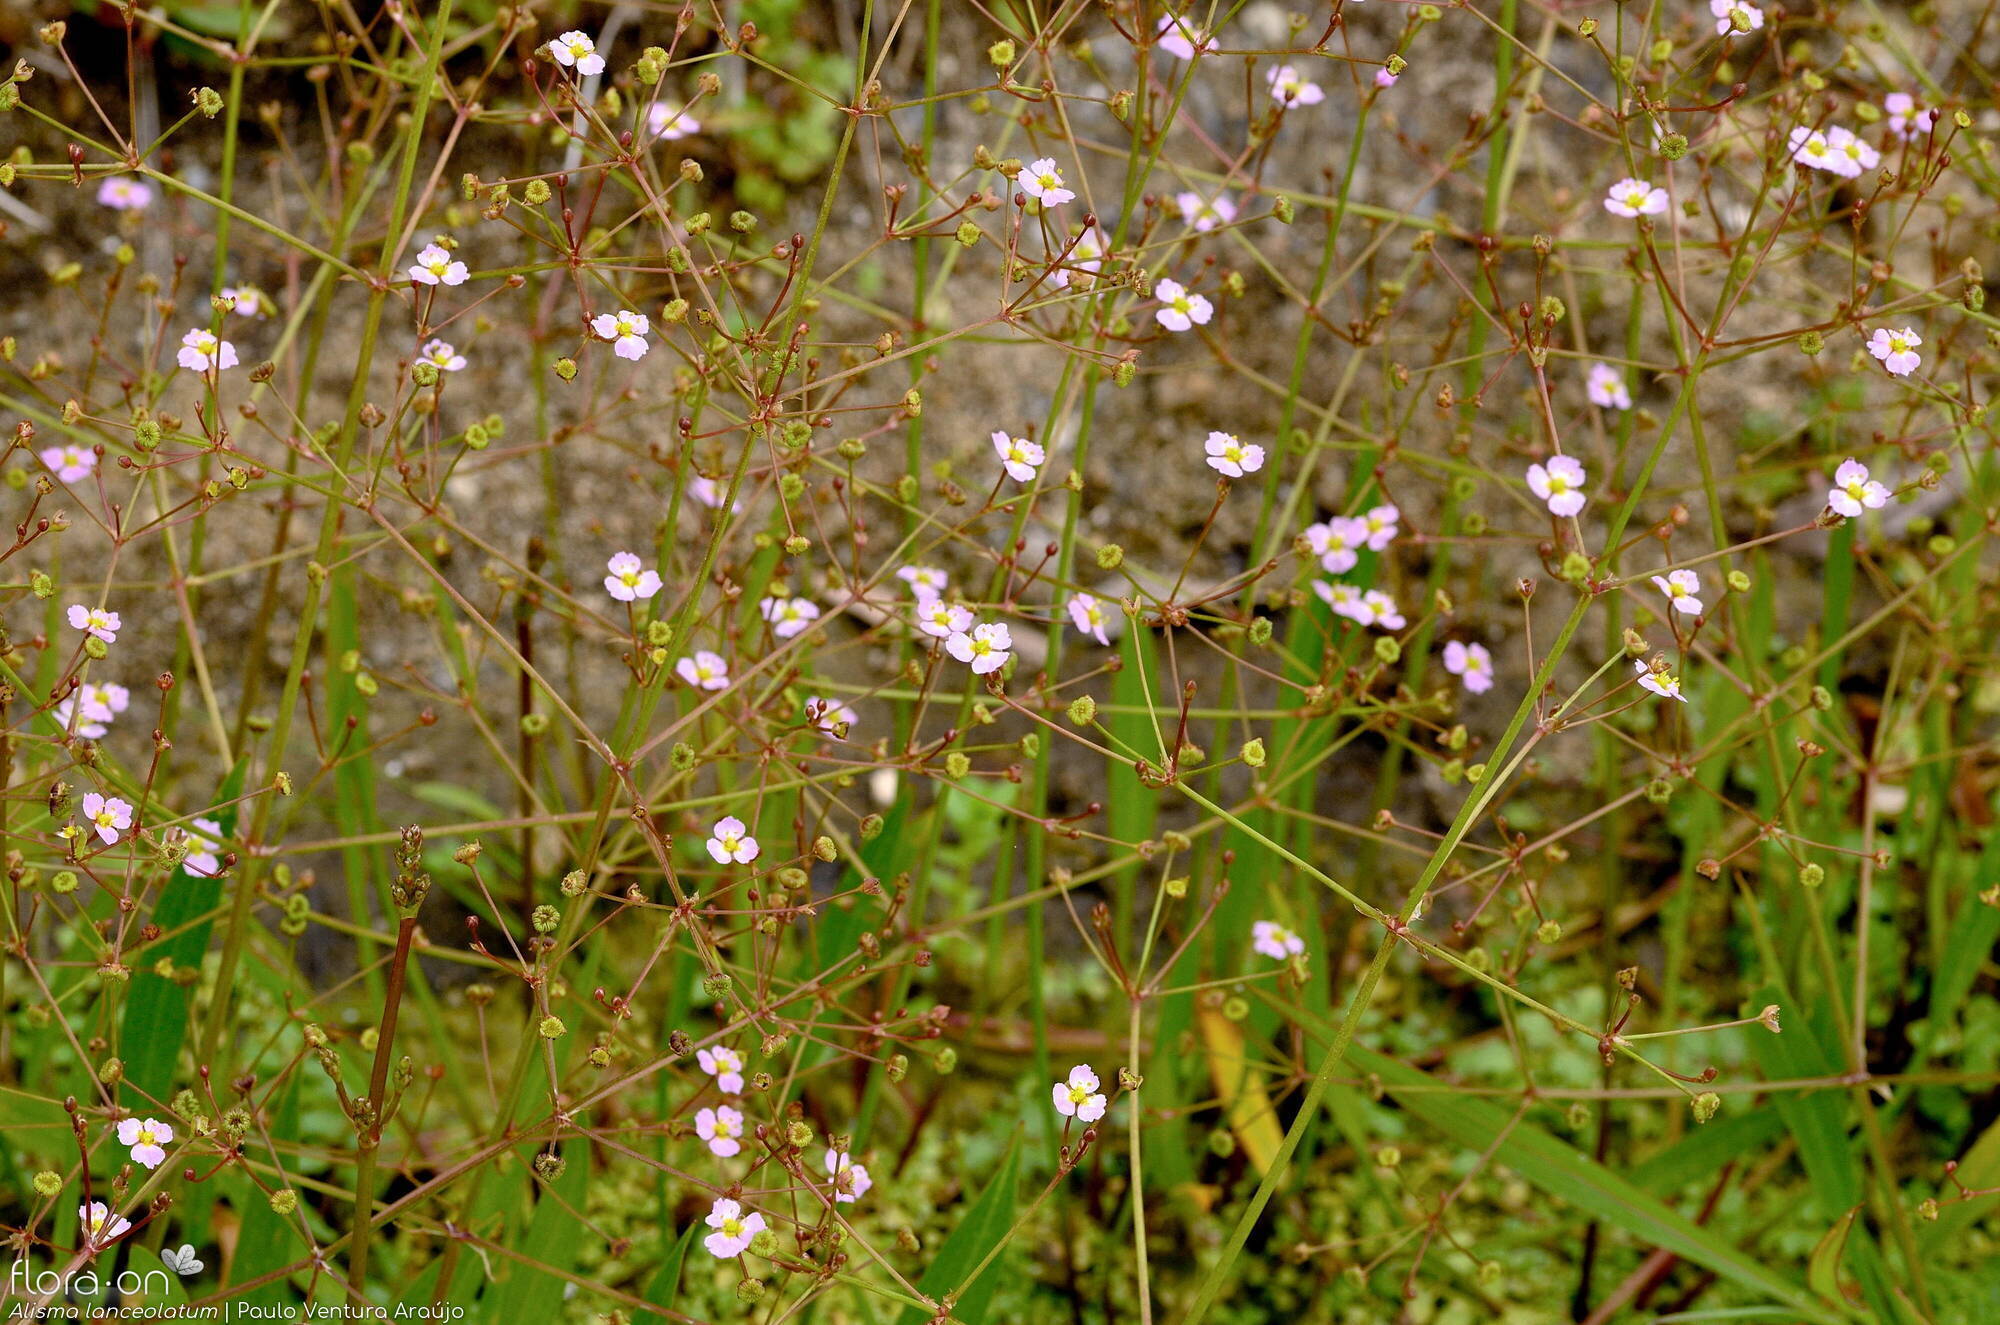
(85, 1285)
(183, 1262)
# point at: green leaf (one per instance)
(268, 1240)
(156, 1015)
(1823, 1268)
(1561, 1171)
(556, 1232)
(666, 1285)
(1706, 1149)
(982, 1229)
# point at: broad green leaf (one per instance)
(983, 1227)
(156, 1015)
(268, 1240)
(556, 1232)
(1823, 1267)
(1561, 1171)
(666, 1285)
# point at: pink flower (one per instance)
(1337, 542)
(1734, 16)
(96, 704)
(1559, 483)
(108, 815)
(720, 1127)
(99, 1226)
(1273, 940)
(1471, 664)
(1383, 78)
(1897, 350)
(574, 50)
(924, 580)
(850, 1180)
(440, 355)
(1853, 491)
(1343, 598)
(942, 620)
(204, 839)
(710, 494)
(1204, 215)
(986, 648)
(1079, 1097)
(70, 461)
(436, 266)
(1041, 181)
(1662, 683)
(725, 1065)
(1180, 310)
(147, 1140)
(1381, 611)
(1380, 524)
(788, 616)
(1018, 456)
(1230, 457)
(1635, 197)
(122, 193)
(244, 300)
(629, 580)
(95, 621)
(626, 330)
(1181, 39)
(203, 351)
(1906, 118)
(704, 671)
(1087, 615)
(1086, 254)
(1605, 386)
(830, 716)
(1683, 591)
(729, 842)
(666, 123)
(1852, 152)
(1815, 149)
(734, 1229)
(1290, 88)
